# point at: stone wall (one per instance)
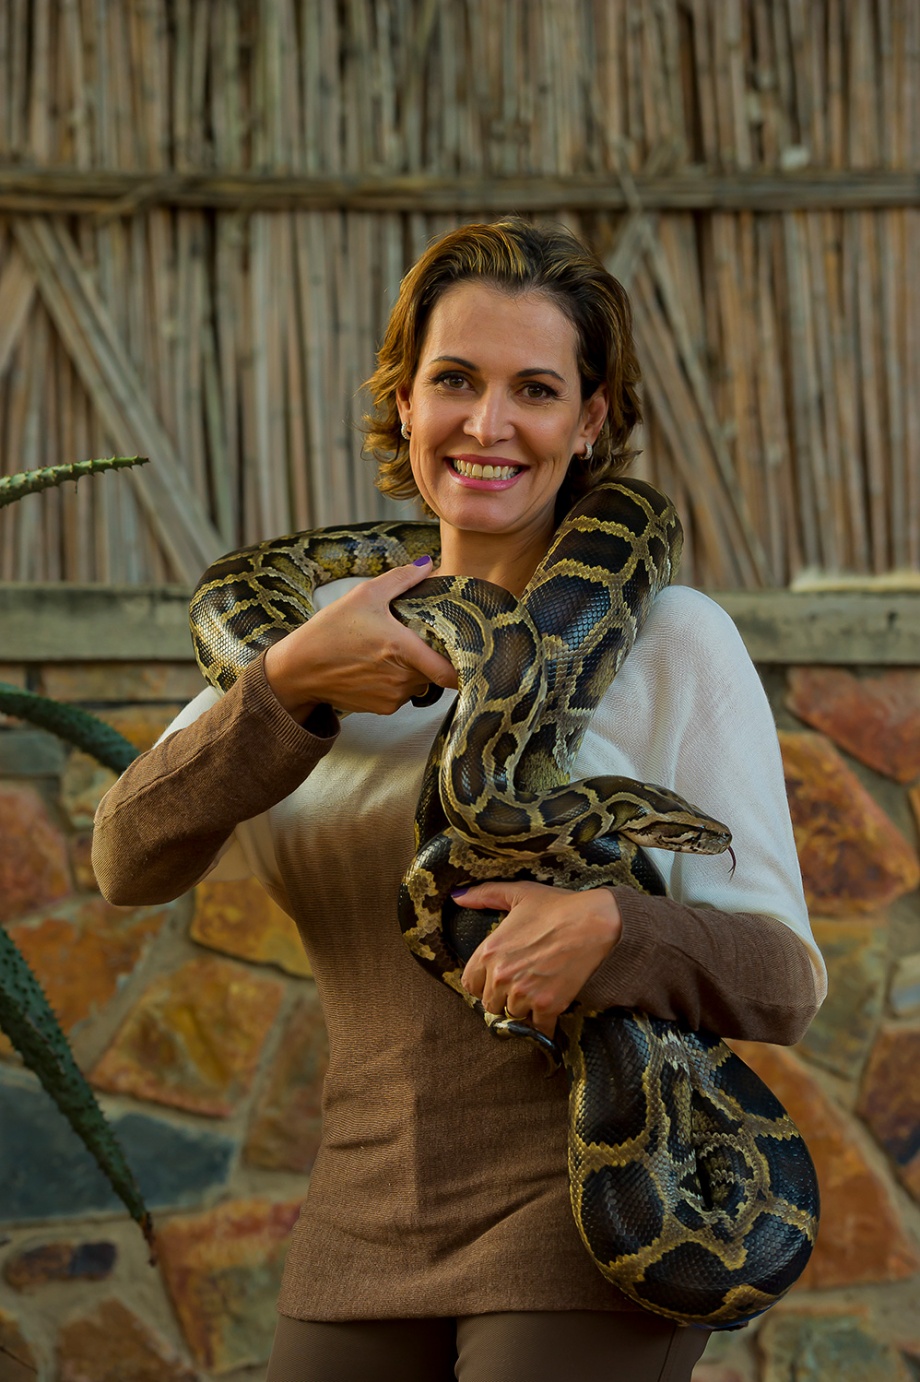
(198, 1025)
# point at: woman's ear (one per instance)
(403, 406)
(594, 411)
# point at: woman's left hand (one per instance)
(538, 958)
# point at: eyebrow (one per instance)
(521, 374)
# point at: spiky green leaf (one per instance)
(68, 722)
(26, 1016)
(13, 487)
(28, 1020)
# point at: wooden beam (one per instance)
(114, 193)
(831, 628)
(79, 623)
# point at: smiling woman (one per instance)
(517, 259)
(495, 415)
(438, 1239)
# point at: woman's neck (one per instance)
(505, 559)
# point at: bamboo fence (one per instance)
(205, 211)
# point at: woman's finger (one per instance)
(413, 650)
(355, 655)
(550, 942)
(498, 895)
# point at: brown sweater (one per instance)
(440, 1187)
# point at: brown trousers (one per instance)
(589, 1345)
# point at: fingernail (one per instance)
(421, 561)
(458, 892)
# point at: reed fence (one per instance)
(205, 211)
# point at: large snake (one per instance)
(691, 1187)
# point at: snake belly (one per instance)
(691, 1187)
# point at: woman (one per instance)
(437, 1232)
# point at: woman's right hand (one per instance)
(355, 655)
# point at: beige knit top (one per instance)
(440, 1187)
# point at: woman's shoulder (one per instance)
(191, 712)
(685, 620)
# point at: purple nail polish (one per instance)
(458, 892)
(421, 561)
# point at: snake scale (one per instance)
(691, 1187)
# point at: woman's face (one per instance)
(495, 410)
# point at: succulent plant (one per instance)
(26, 1016)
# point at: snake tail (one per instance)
(690, 1184)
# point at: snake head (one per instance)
(656, 818)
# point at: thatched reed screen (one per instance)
(205, 210)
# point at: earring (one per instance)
(405, 431)
(589, 451)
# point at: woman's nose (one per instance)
(489, 420)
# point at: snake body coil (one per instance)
(690, 1185)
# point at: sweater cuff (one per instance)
(321, 725)
(621, 973)
(733, 973)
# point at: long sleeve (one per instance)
(732, 973)
(729, 949)
(166, 819)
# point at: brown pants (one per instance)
(589, 1345)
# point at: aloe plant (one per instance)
(13, 487)
(26, 1016)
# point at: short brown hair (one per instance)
(516, 257)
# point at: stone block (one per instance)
(223, 1270)
(194, 1038)
(82, 955)
(910, 1175)
(853, 857)
(141, 725)
(876, 719)
(30, 1268)
(285, 1131)
(17, 1361)
(857, 961)
(30, 753)
(34, 865)
(111, 1344)
(241, 919)
(84, 783)
(861, 1239)
(904, 994)
(46, 1172)
(808, 1346)
(101, 682)
(81, 862)
(889, 1098)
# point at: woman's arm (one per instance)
(728, 972)
(735, 974)
(167, 817)
(162, 825)
(731, 951)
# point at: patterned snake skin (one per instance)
(690, 1185)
